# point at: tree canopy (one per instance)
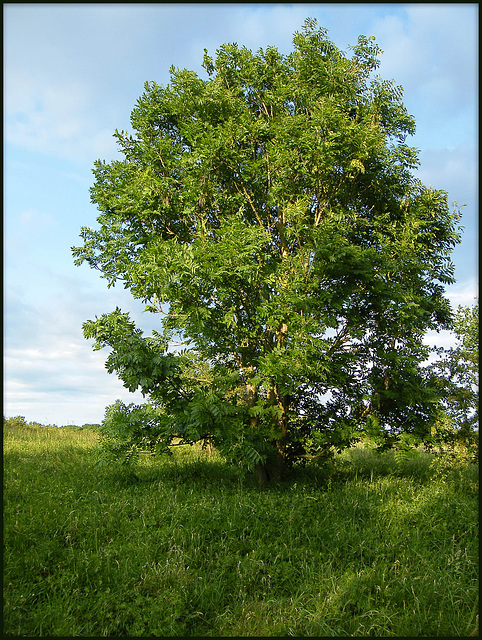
(270, 215)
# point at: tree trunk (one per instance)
(276, 464)
(271, 471)
(273, 468)
(261, 475)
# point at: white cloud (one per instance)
(439, 339)
(56, 374)
(454, 167)
(62, 409)
(33, 220)
(55, 118)
(399, 52)
(431, 50)
(51, 373)
(464, 293)
(266, 25)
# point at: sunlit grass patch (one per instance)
(187, 546)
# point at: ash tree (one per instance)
(269, 214)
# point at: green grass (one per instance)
(186, 547)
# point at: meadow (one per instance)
(378, 545)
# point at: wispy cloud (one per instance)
(55, 119)
(460, 294)
(49, 367)
(410, 41)
(452, 167)
(33, 220)
(465, 293)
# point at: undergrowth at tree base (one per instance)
(372, 545)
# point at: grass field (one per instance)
(378, 546)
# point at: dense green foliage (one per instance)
(456, 373)
(270, 214)
(376, 546)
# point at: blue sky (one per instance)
(72, 74)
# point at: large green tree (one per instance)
(270, 215)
